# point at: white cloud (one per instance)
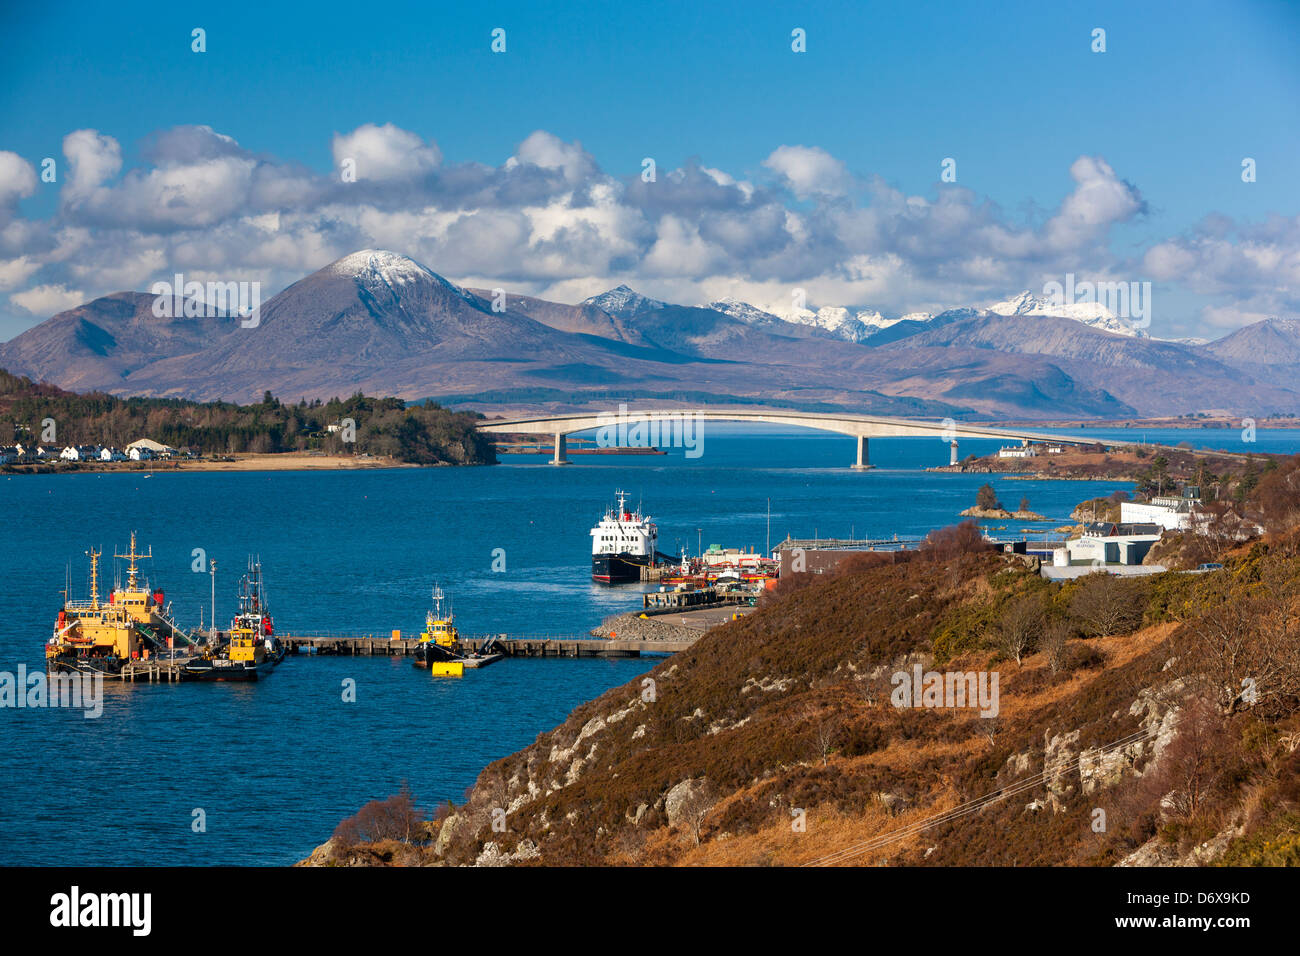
(17, 179)
(548, 151)
(550, 221)
(14, 272)
(1099, 200)
(92, 160)
(47, 300)
(385, 153)
(810, 171)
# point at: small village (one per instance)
(144, 449)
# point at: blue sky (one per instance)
(1011, 91)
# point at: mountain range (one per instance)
(379, 322)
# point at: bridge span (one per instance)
(679, 423)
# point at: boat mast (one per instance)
(94, 578)
(132, 570)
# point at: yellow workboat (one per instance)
(439, 645)
(135, 624)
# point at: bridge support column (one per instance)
(561, 446)
(952, 452)
(864, 459)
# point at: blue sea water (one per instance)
(274, 765)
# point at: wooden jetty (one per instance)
(540, 645)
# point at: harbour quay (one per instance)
(496, 646)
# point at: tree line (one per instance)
(34, 413)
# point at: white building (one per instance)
(1105, 542)
(138, 453)
(155, 449)
(1170, 512)
(80, 453)
(111, 454)
(1027, 451)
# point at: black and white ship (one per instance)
(622, 544)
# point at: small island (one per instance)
(987, 505)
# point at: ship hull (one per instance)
(214, 671)
(428, 653)
(617, 568)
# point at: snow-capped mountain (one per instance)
(836, 320)
(741, 310)
(624, 302)
(379, 269)
(1092, 314)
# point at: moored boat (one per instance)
(252, 650)
(439, 644)
(622, 543)
(135, 624)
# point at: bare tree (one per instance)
(696, 807)
(1191, 766)
(1106, 604)
(1019, 627)
(1055, 644)
(1243, 647)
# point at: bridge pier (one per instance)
(952, 452)
(864, 458)
(561, 447)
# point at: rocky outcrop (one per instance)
(1001, 514)
(1156, 853)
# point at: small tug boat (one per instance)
(439, 646)
(253, 650)
(134, 625)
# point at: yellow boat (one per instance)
(439, 644)
(135, 624)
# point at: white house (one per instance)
(1027, 451)
(111, 454)
(80, 453)
(138, 453)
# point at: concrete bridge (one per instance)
(680, 427)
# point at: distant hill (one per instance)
(378, 322)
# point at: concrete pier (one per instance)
(542, 645)
(561, 449)
(864, 456)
